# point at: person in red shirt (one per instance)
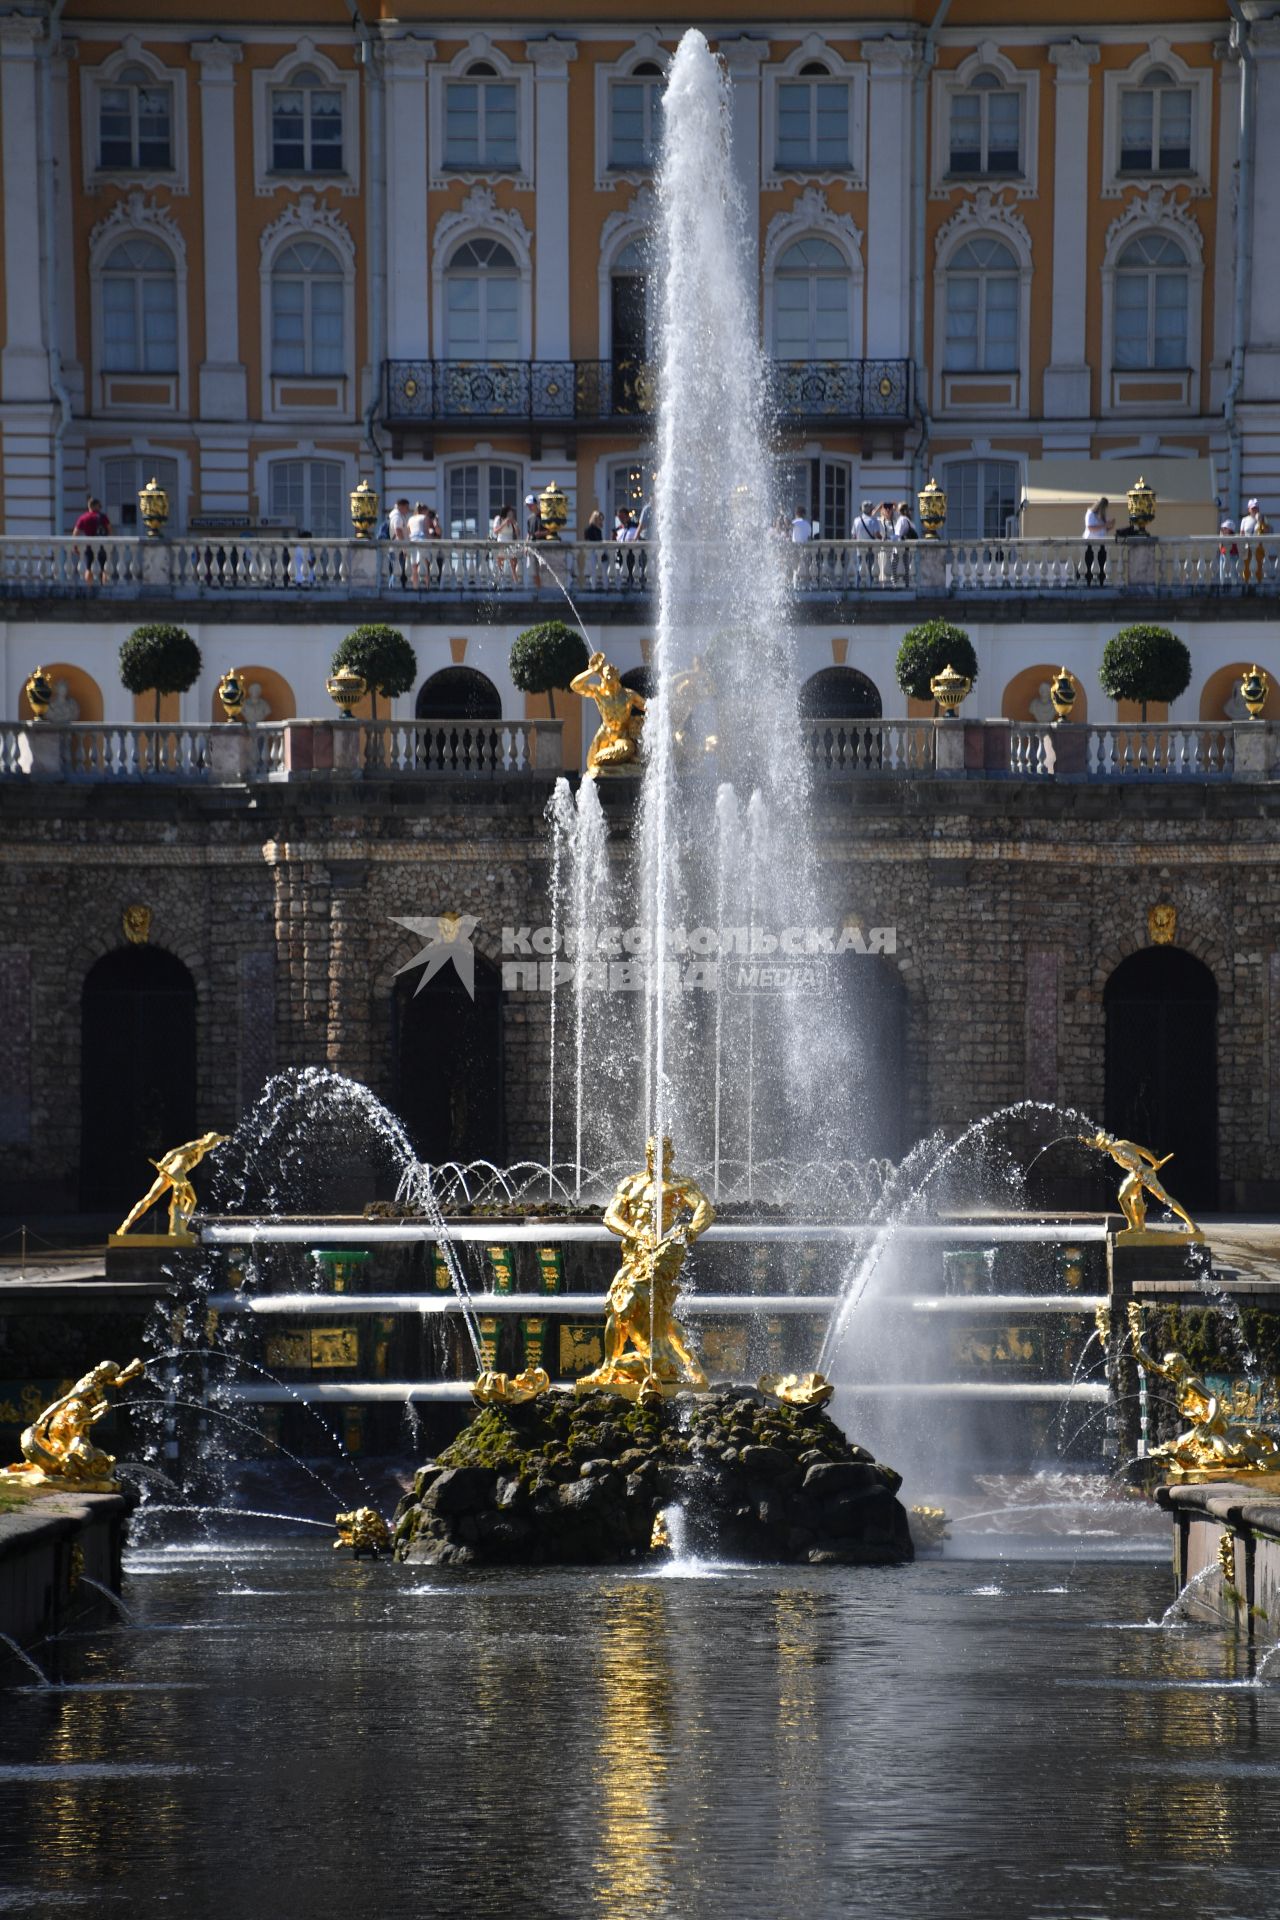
(92, 525)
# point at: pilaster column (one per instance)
(744, 57)
(892, 63)
(1067, 385)
(223, 384)
(24, 365)
(1224, 233)
(408, 295)
(1258, 225)
(550, 59)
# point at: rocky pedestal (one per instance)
(581, 1481)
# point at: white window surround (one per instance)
(301, 449)
(995, 219)
(344, 80)
(478, 217)
(309, 218)
(812, 217)
(646, 50)
(982, 452)
(1154, 211)
(439, 75)
(949, 81)
(144, 450)
(814, 50)
(629, 224)
(1159, 54)
(129, 217)
(131, 53)
(485, 464)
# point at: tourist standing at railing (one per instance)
(1097, 526)
(93, 524)
(869, 526)
(903, 528)
(1252, 524)
(594, 529)
(1228, 551)
(505, 529)
(417, 538)
(398, 529)
(801, 527)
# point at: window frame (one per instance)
(814, 51)
(452, 277)
(646, 50)
(813, 163)
(479, 50)
(1177, 389)
(281, 276)
(983, 274)
(266, 81)
(168, 465)
(947, 85)
(811, 277)
(94, 81)
(314, 83)
(1002, 391)
(1118, 83)
(129, 220)
(648, 75)
(485, 467)
(984, 94)
(138, 278)
(308, 459)
(951, 482)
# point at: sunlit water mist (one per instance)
(723, 617)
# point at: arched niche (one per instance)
(1161, 1008)
(76, 684)
(1030, 686)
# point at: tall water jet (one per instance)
(722, 648)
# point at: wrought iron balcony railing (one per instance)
(598, 392)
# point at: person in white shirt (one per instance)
(417, 534)
(868, 525)
(398, 529)
(801, 527)
(1252, 524)
(1097, 525)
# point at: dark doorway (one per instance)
(1162, 1066)
(874, 1015)
(448, 1062)
(137, 1072)
(629, 332)
(458, 693)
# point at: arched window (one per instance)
(306, 310)
(839, 693)
(635, 116)
(308, 493)
(139, 308)
(480, 130)
(482, 303)
(811, 303)
(982, 308)
(813, 122)
(458, 693)
(1155, 125)
(1151, 303)
(986, 128)
(135, 124)
(629, 304)
(306, 125)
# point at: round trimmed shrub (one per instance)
(382, 657)
(927, 649)
(546, 657)
(159, 659)
(1145, 663)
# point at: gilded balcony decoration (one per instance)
(553, 509)
(949, 689)
(1254, 689)
(347, 688)
(39, 692)
(1142, 506)
(933, 509)
(1063, 689)
(153, 505)
(364, 510)
(231, 694)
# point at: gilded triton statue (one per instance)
(57, 1453)
(510, 1389)
(642, 1297)
(1211, 1443)
(1140, 1168)
(173, 1176)
(617, 743)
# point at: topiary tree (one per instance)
(547, 656)
(382, 657)
(159, 659)
(1145, 663)
(926, 650)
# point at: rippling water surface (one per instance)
(280, 1733)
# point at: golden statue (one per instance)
(363, 1530)
(510, 1390)
(1140, 1169)
(797, 1389)
(57, 1453)
(617, 743)
(642, 1297)
(692, 687)
(173, 1176)
(1211, 1444)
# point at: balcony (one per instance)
(603, 393)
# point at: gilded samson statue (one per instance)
(57, 1453)
(617, 743)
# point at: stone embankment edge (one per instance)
(42, 1589)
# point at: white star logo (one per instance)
(448, 938)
